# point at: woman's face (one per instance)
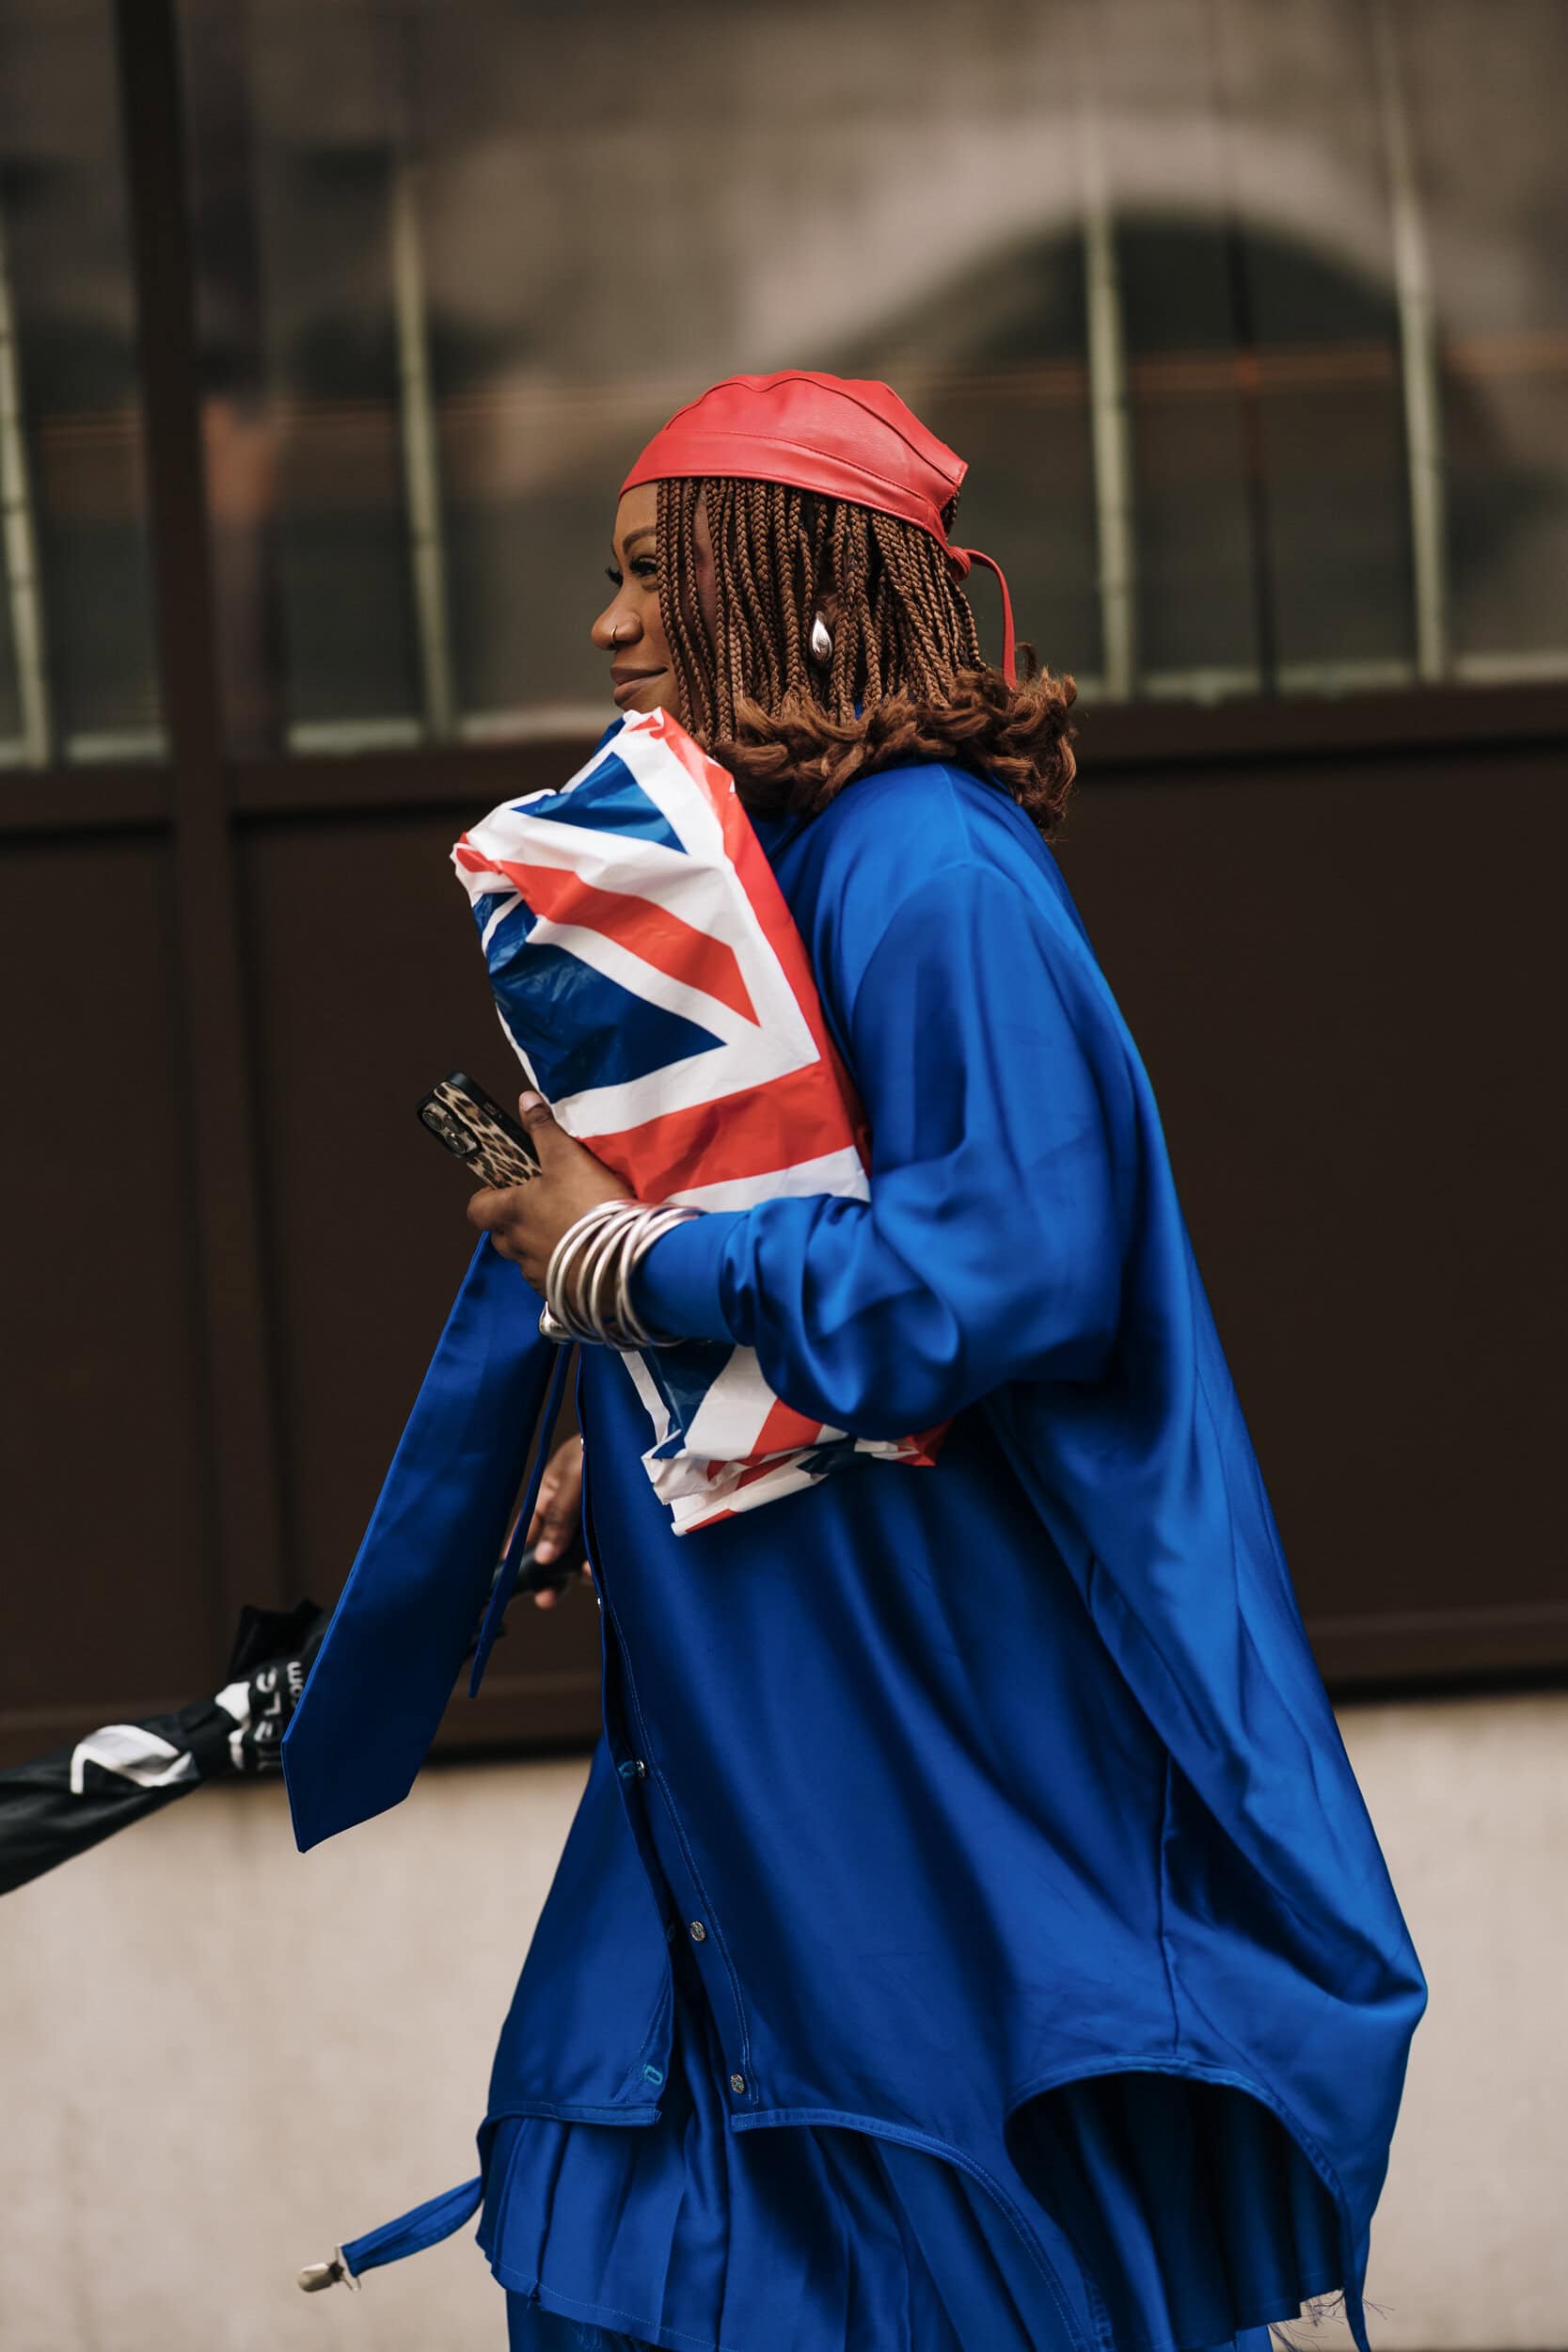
(629, 629)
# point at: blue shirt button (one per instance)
(635, 1770)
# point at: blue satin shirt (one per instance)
(1004, 1794)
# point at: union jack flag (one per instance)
(650, 978)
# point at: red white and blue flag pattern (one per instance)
(650, 978)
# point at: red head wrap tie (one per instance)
(842, 438)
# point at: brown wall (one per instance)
(107, 1590)
(1340, 973)
(1345, 979)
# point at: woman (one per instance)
(971, 1897)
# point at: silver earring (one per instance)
(821, 643)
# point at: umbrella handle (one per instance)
(318, 2275)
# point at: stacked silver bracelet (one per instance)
(587, 1280)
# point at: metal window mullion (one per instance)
(416, 416)
(1248, 373)
(1418, 367)
(1110, 428)
(235, 1329)
(23, 581)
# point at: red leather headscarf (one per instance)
(842, 438)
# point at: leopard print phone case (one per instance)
(491, 1145)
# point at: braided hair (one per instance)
(907, 680)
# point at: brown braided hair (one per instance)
(905, 652)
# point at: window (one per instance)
(1251, 321)
(77, 672)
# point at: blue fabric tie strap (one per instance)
(506, 1581)
(412, 2232)
(398, 1636)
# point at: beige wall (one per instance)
(218, 2057)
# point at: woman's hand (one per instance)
(525, 1221)
(559, 1510)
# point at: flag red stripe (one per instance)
(755, 1132)
(660, 938)
(761, 886)
(785, 1427)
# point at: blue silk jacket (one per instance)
(998, 1785)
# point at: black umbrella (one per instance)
(73, 1799)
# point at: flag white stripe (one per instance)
(836, 1171)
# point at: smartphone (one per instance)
(488, 1140)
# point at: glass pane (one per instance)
(447, 293)
(1317, 336)
(1244, 154)
(1487, 109)
(77, 660)
(1162, 270)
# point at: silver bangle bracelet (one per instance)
(597, 1256)
(557, 1276)
(605, 1266)
(561, 1276)
(635, 1244)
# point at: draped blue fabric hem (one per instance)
(537, 2324)
(1149, 2212)
(1343, 2276)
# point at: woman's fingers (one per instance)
(555, 1514)
(490, 1207)
(557, 1510)
(543, 1502)
(526, 1221)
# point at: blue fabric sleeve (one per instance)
(990, 1249)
